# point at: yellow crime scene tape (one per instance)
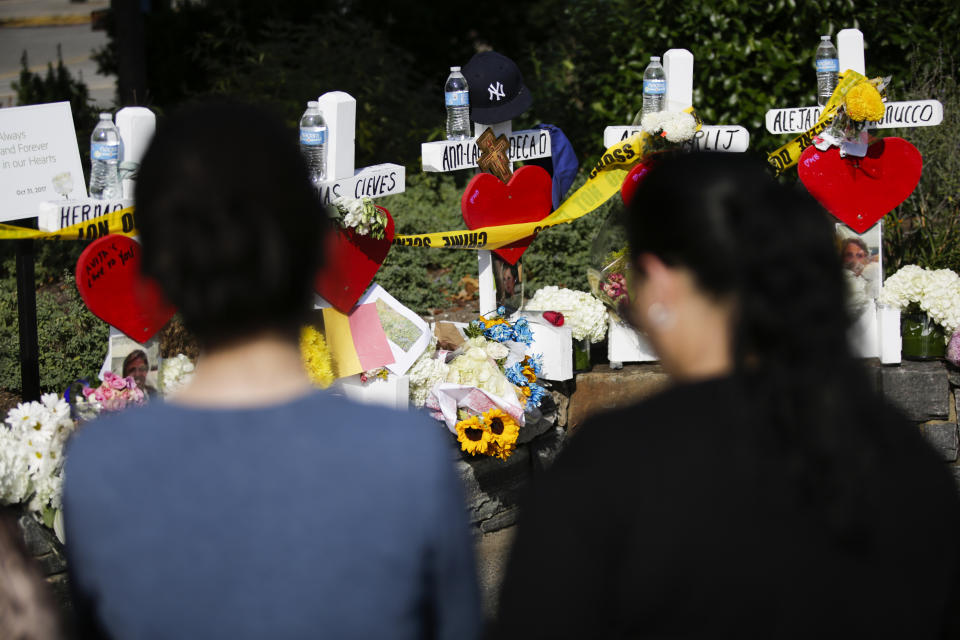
(789, 154)
(117, 222)
(604, 181)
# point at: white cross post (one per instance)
(876, 332)
(339, 110)
(454, 155)
(554, 344)
(625, 344)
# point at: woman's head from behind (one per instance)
(230, 226)
(733, 268)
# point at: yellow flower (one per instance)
(503, 433)
(473, 437)
(316, 357)
(863, 102)
(529, 374)
(492, 323)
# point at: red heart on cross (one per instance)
(634, 177)
(113, 288)
(860, 191)
(351, 263)
(488, 202)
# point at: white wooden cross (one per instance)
(339, 110)
(876, 332)
(554, 344)
(625, 344)
(454, 155)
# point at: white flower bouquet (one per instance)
(586, 315)
(674, 126)
(364, 217)
(31, 457)
(935, 292)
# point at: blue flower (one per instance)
(514, 374)
(501, 311)
(536, 363)
(521, 332)
(536, 395)
(499, 332)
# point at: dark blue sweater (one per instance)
(315, 518)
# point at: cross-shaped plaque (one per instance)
(493, 155)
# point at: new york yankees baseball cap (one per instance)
(497, 92)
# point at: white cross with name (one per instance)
(876, 332)
(624, 344)
(340, 113)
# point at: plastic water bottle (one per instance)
(654, 86)
(313, 142)
(828, 68)
(106, 152)
(457, 97)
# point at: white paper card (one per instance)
(39, 158)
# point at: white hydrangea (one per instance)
(174, 373)
(425, 373)
(583, 313)
(937, 292)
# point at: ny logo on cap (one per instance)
(496, 91)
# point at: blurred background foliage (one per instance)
(583, 62)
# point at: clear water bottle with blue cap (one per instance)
(654, 87)
(457, 98)
(313, 142)
(828, 69)
(106, 152)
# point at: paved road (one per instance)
(57, 22)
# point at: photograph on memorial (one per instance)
(129, 358)
(509, 282)
(860, 255)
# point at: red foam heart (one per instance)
(860, 191)
(488, 202)
(352, 262)
(111, 285)
(634, 177)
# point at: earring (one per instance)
(660, 316)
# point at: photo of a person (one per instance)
(509, 281)
(860, 256)
(137, 366)
(139, 361)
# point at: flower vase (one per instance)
(581, 354)
(923, 338)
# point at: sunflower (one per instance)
(473, 437)
(503, 433)
(317, 359)
(863, 102)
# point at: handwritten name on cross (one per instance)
(340, 113)
(493, 155)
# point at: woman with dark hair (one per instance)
(137, 366)
(251, 505)
(769, 492)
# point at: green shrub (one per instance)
(925, 229)
(72, 341)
